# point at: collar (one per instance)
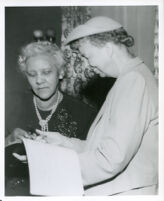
(130, 65)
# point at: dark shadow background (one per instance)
(20, 22)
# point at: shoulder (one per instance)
(129, 84)
(141, 77)
(133, 75)
(131, 79)
(140, 73)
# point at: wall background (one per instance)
(139, 21)
(21, 21)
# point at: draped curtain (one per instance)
(78, 72)
(156, 45)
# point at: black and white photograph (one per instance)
(81, 100)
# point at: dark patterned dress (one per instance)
(72, 118)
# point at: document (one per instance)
(53, 170)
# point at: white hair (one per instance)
(41, 48)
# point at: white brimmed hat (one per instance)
(95, 25)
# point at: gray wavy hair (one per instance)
(40, 48)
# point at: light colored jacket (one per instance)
(121, 151)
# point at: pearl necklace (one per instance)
(44, 122)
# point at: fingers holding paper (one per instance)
(49, 137)
(16, 136)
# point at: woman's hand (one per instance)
(16, 136)
(50, 137)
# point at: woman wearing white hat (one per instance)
(120, 155)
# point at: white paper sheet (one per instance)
(53, 170)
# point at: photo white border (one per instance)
(31, 3)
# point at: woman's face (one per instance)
(98, 57)
(42, 76)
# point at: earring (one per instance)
(60, 77)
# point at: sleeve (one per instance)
(123, 134)
(75, 144)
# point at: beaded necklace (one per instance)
(44, 122)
